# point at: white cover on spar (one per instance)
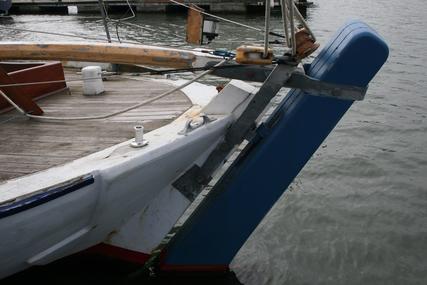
(129, 188)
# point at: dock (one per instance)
(140, 6)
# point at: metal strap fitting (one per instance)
(193, 124)
(296, 79)
(320, 88)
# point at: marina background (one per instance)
(87, 6)
(357, 213)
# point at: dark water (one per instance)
(357, 213)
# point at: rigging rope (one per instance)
(303, 22)
(284, 8)
(267, 27)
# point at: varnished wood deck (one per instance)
(28, 146)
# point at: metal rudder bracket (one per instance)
(321, 88)
(194, 181)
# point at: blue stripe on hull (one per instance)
(45, 196)
(271, 161)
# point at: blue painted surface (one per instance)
(44, 197)
(272, 160)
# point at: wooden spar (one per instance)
(106, 52)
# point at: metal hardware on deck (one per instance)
(139, 137)
(305, 44)
(254, 55)
(193, 124)
(223, 52)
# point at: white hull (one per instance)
(127, 201)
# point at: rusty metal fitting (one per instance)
(305, 44)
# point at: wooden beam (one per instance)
(106, 52)
(194, 26)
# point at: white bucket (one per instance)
(72, 10)
(92, 80)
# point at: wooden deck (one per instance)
(28, 146)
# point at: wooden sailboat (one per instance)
(117, 190)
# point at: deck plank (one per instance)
(28, 146)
